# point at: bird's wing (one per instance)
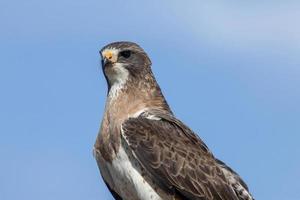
(239, 186)
(175, 157)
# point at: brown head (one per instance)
(122, 61)
(127, 69)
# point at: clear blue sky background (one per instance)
(229, 69)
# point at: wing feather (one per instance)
(176, 157)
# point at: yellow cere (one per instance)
(108, 55)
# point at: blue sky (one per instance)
(229, 70)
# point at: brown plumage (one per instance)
(142, 150)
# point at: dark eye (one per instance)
(125, 54)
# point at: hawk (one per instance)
(142, 150)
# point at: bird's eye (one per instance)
(125, 54)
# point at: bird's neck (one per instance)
(127, 98)
(124, 100)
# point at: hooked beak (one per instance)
(104, 61)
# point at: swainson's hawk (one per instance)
(143, 151)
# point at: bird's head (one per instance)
(122, 61)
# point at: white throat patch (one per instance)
(117, 74)
(117, 79)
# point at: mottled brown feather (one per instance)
(176, 157)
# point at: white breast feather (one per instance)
(125, 174)
(128, 180)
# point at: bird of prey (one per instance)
(142, 150)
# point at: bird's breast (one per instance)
(128, 179)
